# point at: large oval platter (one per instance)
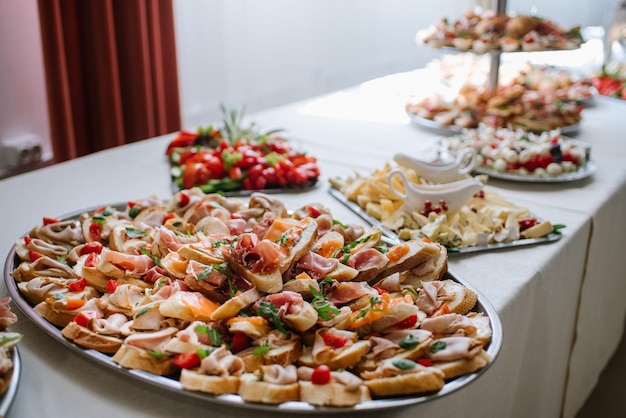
(171, 384)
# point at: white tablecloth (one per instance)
(561, 303)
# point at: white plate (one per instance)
(581, 173)
(453, 129)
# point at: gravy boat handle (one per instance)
(397, 171)
(470, 155)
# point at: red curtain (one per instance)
(111, 72)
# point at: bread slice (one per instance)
(455, 368)
(434, 268)
(136, 358)
(58, 318)
(202, 252)
(302, 286)
(350, 356)
(232, 307)
(332, 394)
(284, 355)
(216, 385)
(483, 327)
(89, 339)
(459, 298)
(398, 313)
(423, 381)
(253, 390)
(410, 254)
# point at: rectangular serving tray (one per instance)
(392, 237)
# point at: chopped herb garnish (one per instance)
(154, 258)
(143, 311)
(214, 333)
(409, 342)
(404, 364)
(222, 268)
(261, 350)
(204, 352)
(133, 212)
(347, 248)
(177, 224)
(204, 274)
(374, 300)
(269, 310)
(98, 219)
(412, 291)
(437, 346)
(218, 243)
(284, 238)
(336, 222)
(324, 308)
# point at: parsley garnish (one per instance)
(204, 274)
(324, 308)
(437, 346)
(133, 212)
(347, 248)
(154, 258)
(404, 364)
(409, 342)
(261, 350)
(214, 333)
(204, 352)
(269, 310)
(141, 312)
(374, 300)
(336, 222)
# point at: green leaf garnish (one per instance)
(269, 310)
(143, 311)
(404, 364)
(324, 308)
(409, 342)
(133, 212)
(261, 350)
(437, 346)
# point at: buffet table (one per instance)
(561, 303)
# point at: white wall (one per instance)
(270, 52)
(266, 53)
(23, 105)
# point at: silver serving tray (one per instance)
(392, 237)
(453, 129)
(6, 399)
(171, 383)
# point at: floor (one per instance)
(608, 400)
